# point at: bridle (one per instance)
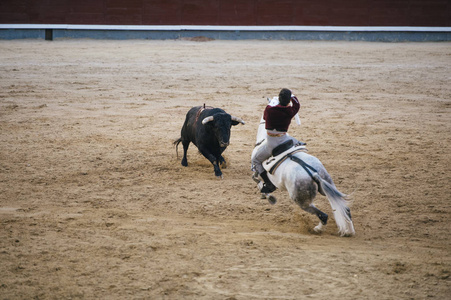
(261, 142)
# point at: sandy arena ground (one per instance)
(94, 203)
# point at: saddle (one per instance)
(280, 154)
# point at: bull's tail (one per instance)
(176, 143)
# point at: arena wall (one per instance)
(287, 14)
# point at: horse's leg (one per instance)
(323, 217)
(185, 144)
(305, 198)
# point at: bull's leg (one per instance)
(218, 172)
(214, 161)
(185, 150)
(222, 162)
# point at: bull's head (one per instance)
(221, 124)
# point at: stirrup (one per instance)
(268, 188)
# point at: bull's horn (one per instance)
(207, 119)
(238, 120)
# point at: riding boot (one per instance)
(268, 186)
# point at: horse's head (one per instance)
(274, 101)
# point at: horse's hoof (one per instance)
(272, 200)
(318, 229)
(347, 234)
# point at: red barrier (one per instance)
(229, 12)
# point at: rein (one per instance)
(259, 143)
(306, 166)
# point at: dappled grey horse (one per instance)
(303, 176)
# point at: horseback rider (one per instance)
(277, 120)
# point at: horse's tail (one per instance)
(339, 203)
(176, 143)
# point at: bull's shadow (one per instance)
(208, 128)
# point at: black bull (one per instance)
(209, 129)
